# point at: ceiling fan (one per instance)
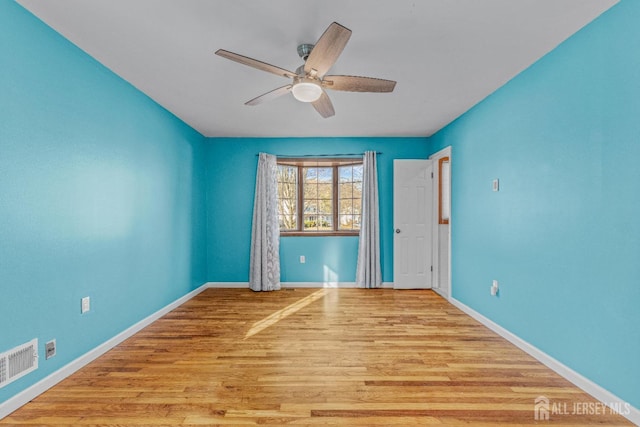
(310, 79)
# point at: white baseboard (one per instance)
(337, 285)
(585, 384)
(227, 285)
(443, 293)
(15, 402)
(291, 285)
(340, 285)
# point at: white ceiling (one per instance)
(446, 55)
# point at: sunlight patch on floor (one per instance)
(274, 318)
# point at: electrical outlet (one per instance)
(50, 349)
(85, 305)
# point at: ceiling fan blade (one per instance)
(269, 95)
(245, 60)
(358, 84)
(327, 50)
(324, 106)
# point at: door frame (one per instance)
(437, 274)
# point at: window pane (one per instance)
(445, 192)
(310, 222)
(345, 190)
(356, 222)
(325, 191)
(346, 173)
(357, 190)
(310, 175)
(317, 222)
(350, 222)
(286, 206)
(349, 197)
(357, 173)
(318, 199)
(287, 196)
(325, 175)
(357, 206)
(346, 222)
(287, 214)
(288, 172)
(288, 222)
(311, 191)
(327, 223)
(310, 207)
(290, 190)
(346, 206)
(325, 207)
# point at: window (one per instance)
(444, 190)
(319, 196)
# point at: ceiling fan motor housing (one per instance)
(304, 50)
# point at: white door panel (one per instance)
(413, 219)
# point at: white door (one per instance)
(413, 221)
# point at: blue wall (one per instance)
(563, 233)
(101, 195)
(231, 165)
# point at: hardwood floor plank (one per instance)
(311, 357)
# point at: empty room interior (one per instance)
(447, 234)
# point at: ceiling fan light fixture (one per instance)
(306, 90)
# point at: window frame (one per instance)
(320, 162)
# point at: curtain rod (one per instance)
(319, 155)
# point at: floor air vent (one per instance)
(18, 362)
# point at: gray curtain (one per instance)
(264, 273)
(368, 271)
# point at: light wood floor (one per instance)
(311, 357)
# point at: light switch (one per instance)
(86, 305)
(496, 184)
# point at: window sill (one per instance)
(318, 233)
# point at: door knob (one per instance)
(397, 231)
